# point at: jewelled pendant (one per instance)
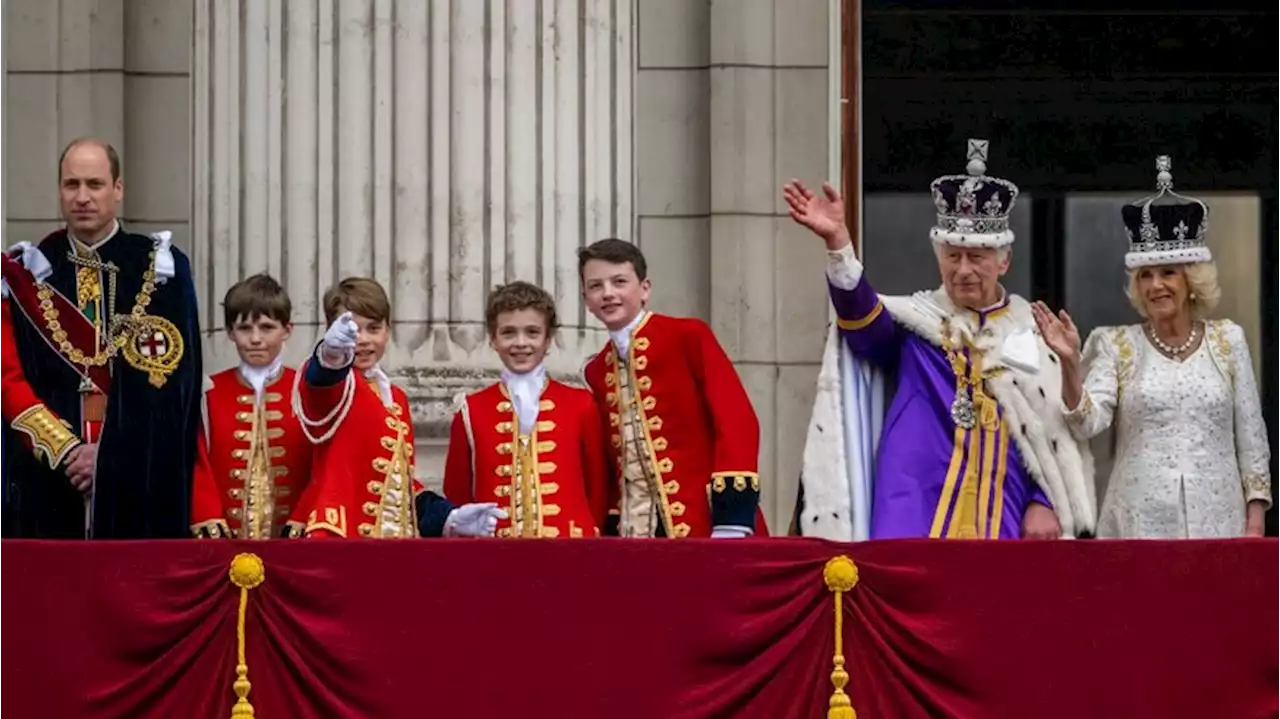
(962, 411)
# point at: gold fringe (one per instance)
(840, 575)
(246, 572)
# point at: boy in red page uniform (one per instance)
(254, 460)
(530, 442)
(363, 484)
(683, 436)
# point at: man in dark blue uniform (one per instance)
(101, 370)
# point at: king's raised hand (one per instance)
(822, 214)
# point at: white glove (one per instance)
(338, 349)
(729, 531)
(474, 520)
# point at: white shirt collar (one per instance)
(259, 377)
(622, 338)
(525, 390)
(383, 382)
(1004, 300)
(115, 228)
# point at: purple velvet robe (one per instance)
(923, 456)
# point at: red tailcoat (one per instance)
(701, 431)
(51, 437)
(224, 489)
(555, 486)
(362, 481)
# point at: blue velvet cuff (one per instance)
(432, 510)
(317, 375)
(734, 499)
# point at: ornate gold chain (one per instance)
(118, 327)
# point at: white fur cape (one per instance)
(844, 429)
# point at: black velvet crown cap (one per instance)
(1166, 228)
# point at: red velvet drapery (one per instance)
(645, 629)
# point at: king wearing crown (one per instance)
(974, 443)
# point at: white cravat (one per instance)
(380, 378)
(259, 377)
(1001, 301)
(622, 337)
(525, 390)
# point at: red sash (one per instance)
(24, 291)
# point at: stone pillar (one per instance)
(768, 123)
(65, 67)
(441, 147)
(100, 68)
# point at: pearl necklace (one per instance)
(1170, 350)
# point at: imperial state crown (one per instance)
(973, 209)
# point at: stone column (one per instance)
(441, 147)
(100, 68)
(768, 123)
(65, 67)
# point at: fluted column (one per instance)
(441, 147)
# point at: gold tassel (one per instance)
(966, 513)
(247, 572)
(840, 575)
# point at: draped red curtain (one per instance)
(645, 629)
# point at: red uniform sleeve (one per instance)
(595, 462)
(736, 428)
(43, 431)
(330, 491)
(327, 498)
(735, 478)
(206, 504)
(297, 523)
(416, 486)
(459, 485)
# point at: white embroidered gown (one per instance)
(1191, 445)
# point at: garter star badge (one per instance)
(155, 348)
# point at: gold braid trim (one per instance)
(720, 481)
(118, 339)
(840, 575)
(861, 322)
(51, 437)
(246, 572)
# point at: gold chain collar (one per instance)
(120, 328)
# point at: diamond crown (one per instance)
(974, 203)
